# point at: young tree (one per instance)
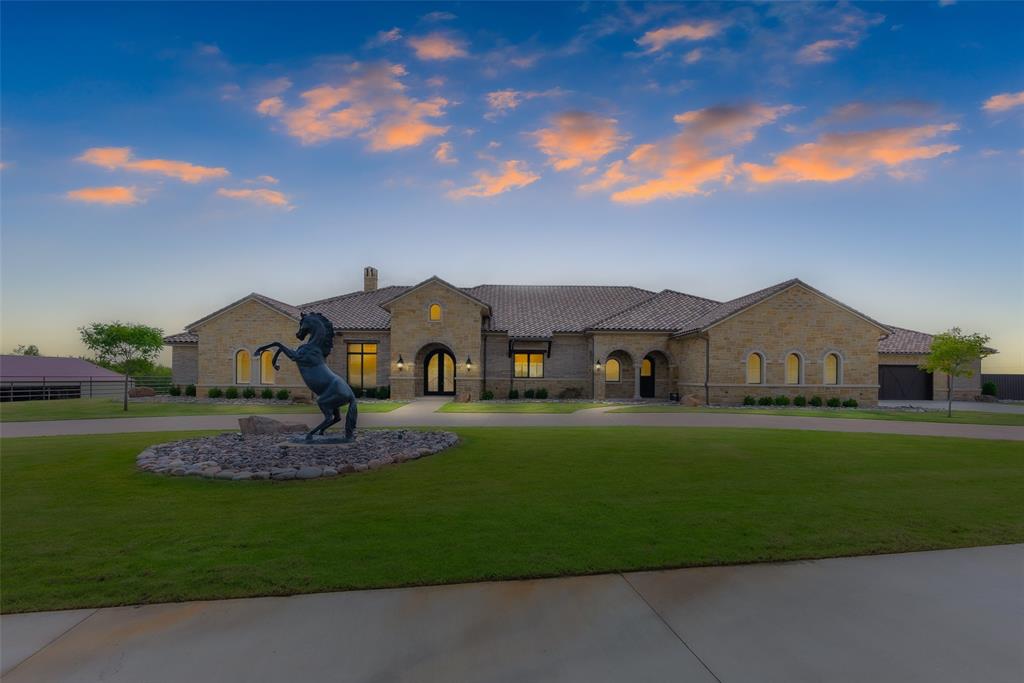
(954, 353)
(22, 350)
(126, 345)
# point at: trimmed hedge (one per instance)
(214, 392)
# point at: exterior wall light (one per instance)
(469, 363)
(597, 366)
(401, 363)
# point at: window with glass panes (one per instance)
(528, 364)
(362, 365)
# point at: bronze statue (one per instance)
(331, 391)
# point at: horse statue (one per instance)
(331, 391)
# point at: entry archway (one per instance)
(439, 373)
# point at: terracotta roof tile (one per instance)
(905, 341)
(182, 338)
(667, 310)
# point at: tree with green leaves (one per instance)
(22, 350)
(955, 353)
(126, 346)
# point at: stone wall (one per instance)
(184, 364)
(635, 345)
(964, 388)
(569, 365)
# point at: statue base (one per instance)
(320, 440)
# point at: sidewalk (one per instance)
(952, 615)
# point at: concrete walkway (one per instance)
(422, 413)
(953, 615)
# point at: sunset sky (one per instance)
(160, 161)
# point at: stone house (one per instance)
(600, 342)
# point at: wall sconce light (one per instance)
(597, 366)
(401, 363)
(469, 363)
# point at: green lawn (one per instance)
(90, 408)
(524, 407)
(959, 416)
(81, 527)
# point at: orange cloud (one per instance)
(407, 128)
(437, 46)
(1004, 101)
(578, 137)
(260, 196)
(693, 56)
(682, 177)
(444, 153)
(613, 175)
(121, 158)
(513, 175)
(733, 124)
(116, 194)
(268, 179)
(822, 51)
(656, 40)
(842, 156)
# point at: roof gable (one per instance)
(667, 310)
(433, 279)
(272, 304)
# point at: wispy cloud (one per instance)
(113, 195)
(438, 16)
(578, 137)
(444, 153)
(693, 56)
(614, 175)
(385, 37)
(734, 124)
(1004, 101)
(501, 102)
(821, 51)
(856, 111)
(121, 158)
(851, 27)
(258, 196)
(658, 39)
(268, 179)
(437, 46)
(511, 175)
(835, 157)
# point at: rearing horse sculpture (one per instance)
(331, 391)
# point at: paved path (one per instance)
(422, 413)
(953, 615)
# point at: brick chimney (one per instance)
(369, 279)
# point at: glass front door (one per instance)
(439, 374)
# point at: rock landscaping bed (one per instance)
(239, 457)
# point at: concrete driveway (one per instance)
(953, 615)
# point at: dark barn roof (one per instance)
(16, 367)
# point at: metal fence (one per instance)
(55, 387)
(1007, 386)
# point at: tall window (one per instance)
(755, 367)
(833, 369)
(612, 371)
(528, 364)
(434, 312)
(793, 369)
(362, 365)
(646, 367)
(268, 375)
(243, 367)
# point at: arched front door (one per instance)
(439, 374)
(647, 373)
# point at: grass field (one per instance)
(92, 408)
(512, 407)
(82, 528)
(959, 416)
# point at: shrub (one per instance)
(282, 394)
(850, 403)
(781, 400)
(214, 392)
(764, 401)
(231, 392)
(370, 393)
(529, 393)
(800, 400)
(513, 394)
(384, 392)
(174, 390)
(571, 392)
(749, 401)
(487, 396)
(833, 402)
(190, 390)
(248, 392)
(988, 389)
(542, 393)
(267, 393)
(816, 401)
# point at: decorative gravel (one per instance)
(237, 457)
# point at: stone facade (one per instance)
(185, 364)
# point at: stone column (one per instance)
(636, 378)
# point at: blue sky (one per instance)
(162, 160)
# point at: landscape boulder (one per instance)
(141, 392)
(691, 401)
(258, 424)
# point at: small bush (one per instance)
(850, 403)
(487, 396)
(570, 392)
(816, 401)
(800, 400)
(988, 389)
(384, 392)
(513, 394)
(190, 390)
(282, 394)
(231, 392)
(529, 393)
(749, 401)
(248, 392)
(764, 401)
(267, 393)
(371, 392)
(214, 392)
(542, 393)
(174, 390)
(781, 400)
(833, 402)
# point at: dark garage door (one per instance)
(904, 382)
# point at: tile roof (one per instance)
(357, 310)
(287, 309)
(724, 310)
(16, 367)
(905, 341)
(667, 310)
(182, 338)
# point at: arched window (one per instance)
(434, 312)
(268, 375)
(794, 371)
(612, 371)
(243, 367)
(645, 368)
(833, 369)
(755, 369)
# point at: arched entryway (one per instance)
(439, 373)
(648, 376)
